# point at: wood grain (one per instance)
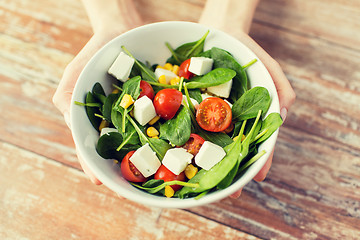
(311, 192)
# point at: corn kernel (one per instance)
(169, 192)
(158, 66)
(175, 81)
(168, 66)
(126, 101)
(243, 137)
(132, 113)
(152, 132)
(162, 79)
(154, 120)
(176, 69)
(157, 137)
(103, 124)
(115, 91)
(190, 171)
(116, 161)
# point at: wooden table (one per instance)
(311, 192)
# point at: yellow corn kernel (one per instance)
(103, 124)
(158, 66)
(169, 192)
(154, 120)
(168, 66)
(190, 171)
(126, 101)
(176, 69)
(162, 79)
(157, 137)
(132, 113)
(243, 137)
(116, 161)
(115, 91)
(152, 132)
(175, 81)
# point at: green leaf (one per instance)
(108, 105)
(178, 129)
(91, 111)
(187, 50)
(213, 78)
(249, 104)
(163, 185)
(107, 144)
(271, 123)
(98, 92)
(223, 59)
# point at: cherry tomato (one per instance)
(214, 114)
(167, 102)
(184, 69)
(129, 171)
(194, 144)
(166, 175)
(146, 89)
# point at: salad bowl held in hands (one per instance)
(146, 44)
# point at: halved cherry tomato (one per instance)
(129, 171)
(184, 69)
(194, 144)
(146, 89)
(166, 175)
(167, 102)
(214, 114)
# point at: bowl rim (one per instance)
(164, 202)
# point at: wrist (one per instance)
(112, 16)
(231, 16)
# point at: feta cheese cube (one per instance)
(167, 73)
(121, 67)
(209, 155)
(222, 90)
(176, 160)
(107, 130)
(145, 160)
(200, 65)
(144, 110)
(193, 101)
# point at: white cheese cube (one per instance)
(176, 160)
(121, 67)
(193, 101)
(144, 110)
(145, 160)
(222, 90)
(209, 155)
(200, 65)
(107, 130)
(167, 73)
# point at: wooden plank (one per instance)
(335, 21)
(43, 199)
(311, 192)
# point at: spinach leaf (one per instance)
(195, 94)
(108, 105)
(91, 111)
(219, 138)
(178, 129)
(223, 59)
(248, 105)
(107, 144)
(213, 78)
(186, 50)
(270, 124)
(98, 92)
(156, 188)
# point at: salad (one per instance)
(185, 128)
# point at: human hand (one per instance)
(235, 17)
(108, 20)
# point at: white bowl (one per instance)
(147, 43)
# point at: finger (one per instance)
(236, 194)
(87, 171)
(261, 175)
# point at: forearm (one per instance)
(229, 15)
(119, 15)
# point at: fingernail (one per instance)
(67, 118)
(283, 113)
